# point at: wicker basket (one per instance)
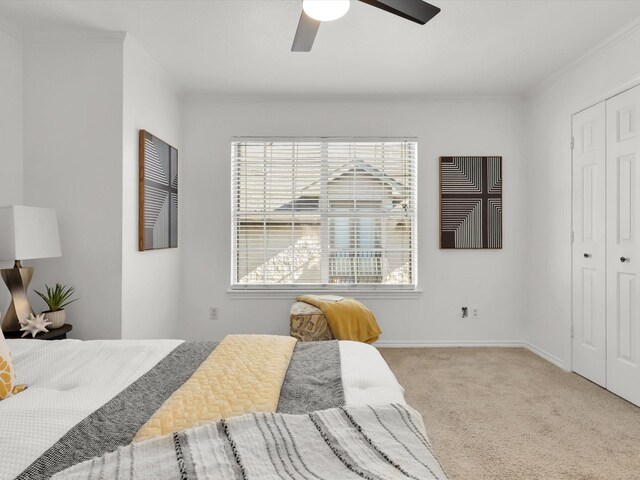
(308, 324)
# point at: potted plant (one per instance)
(57, 298)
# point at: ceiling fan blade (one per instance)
(305, 34)
(414, 10)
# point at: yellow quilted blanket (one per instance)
(243, 374)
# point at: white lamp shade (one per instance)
(28, 233)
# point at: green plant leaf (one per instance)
(57, 297)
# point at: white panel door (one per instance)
(589, 248)
(623, 245)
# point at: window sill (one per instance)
(264, 293)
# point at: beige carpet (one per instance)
(504, 413)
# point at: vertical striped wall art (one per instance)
(470, 202)
(158, 202)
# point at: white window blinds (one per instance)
(324, 212)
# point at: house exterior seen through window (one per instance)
(324, 211)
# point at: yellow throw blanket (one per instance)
(244, 374)
(348, 318)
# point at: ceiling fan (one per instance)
(315, 12)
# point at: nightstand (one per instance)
(52, 334)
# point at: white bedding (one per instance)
(70, 379)
(366, 377)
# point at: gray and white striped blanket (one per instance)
(378, 443)
(313, 382)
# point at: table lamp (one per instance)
(25, 233)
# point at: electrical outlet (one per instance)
(213, 313)
(475, 313)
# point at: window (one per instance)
(324, 212)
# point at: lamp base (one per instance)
(17, 280)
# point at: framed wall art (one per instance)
(470, 202)
(158, 197)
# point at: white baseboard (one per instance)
(547, 356)
(504, 344)
(446, 344)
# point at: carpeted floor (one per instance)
(504, 413)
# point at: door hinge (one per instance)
(573, 142)
(573, 236)
(572, 331)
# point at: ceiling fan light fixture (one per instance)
(326, 10)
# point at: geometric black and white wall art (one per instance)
(158, 197)
(470, 202)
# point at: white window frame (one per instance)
(270, 291)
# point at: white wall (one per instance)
(10, 118)
(150, 280)
(606, 70)
(84, 102)
(73, 163)
(10, 129)
(490, 280)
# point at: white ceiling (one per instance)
(474, 47)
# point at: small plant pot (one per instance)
(56, 318)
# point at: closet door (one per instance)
(589, 252)
(623, 247)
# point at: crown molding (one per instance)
(608, 42)
(67, 36)
(236, 97)
(10, 29)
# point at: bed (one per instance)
(89, 400)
